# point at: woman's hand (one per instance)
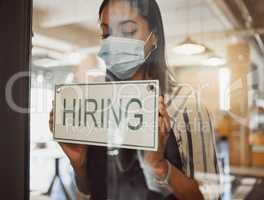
(156, 160)
(75, 152)
(182, 187)
(77, 156)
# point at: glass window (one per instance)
(206, 117)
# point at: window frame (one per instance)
(15, 51)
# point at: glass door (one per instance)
(140, 99)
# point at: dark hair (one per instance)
(156, 65)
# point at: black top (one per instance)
(107, 181)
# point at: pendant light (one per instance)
(188, 46)
(215, 61)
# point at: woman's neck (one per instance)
(141, 75)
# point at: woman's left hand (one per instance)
(153, 159)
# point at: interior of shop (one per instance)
(214, 46)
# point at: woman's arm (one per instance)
(77, 156)
(164, 173)
(81, 179)
(182, 187)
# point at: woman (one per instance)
(133, 48)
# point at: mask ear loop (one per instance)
(153, 49)
(146, 69)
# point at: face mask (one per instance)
(123, 56)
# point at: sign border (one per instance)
(154, 147)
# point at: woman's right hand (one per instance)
(75, 152)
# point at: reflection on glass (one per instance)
(210, 114)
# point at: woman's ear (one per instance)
(155, 40)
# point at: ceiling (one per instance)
(75, 23)
(256, 8)
(247, 14)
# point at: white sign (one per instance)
(113, 114)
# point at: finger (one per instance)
(166, 119)
(162, 136)
(163, 113)
(162, 109)
(51, 121)
(51, 126)
(161, 99)
(162, 106)
(162, 127)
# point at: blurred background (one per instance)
(217, 46)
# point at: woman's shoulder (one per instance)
(185, 100)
